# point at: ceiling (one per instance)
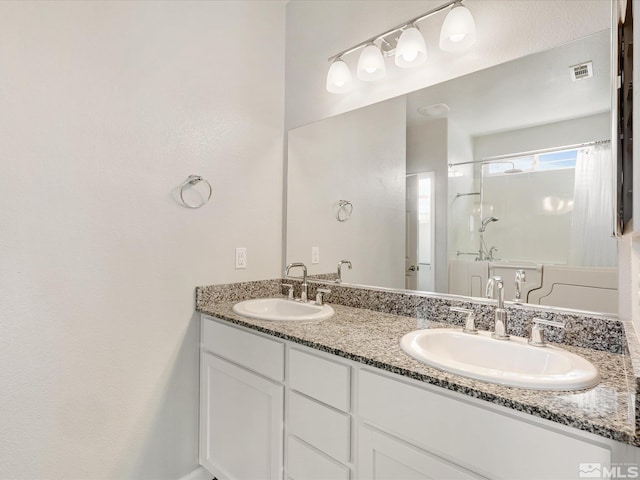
(529, 91)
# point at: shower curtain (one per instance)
(592, 220)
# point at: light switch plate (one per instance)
(315, 255)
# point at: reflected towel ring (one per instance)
(345, 209)
(191, 181)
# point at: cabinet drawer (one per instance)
(322, 379)
(304, 463)
(325, 428)
(469, 435)
(254, 352)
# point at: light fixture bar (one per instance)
(394, 29)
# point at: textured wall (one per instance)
(106, 108)
(331, 161)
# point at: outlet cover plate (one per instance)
(241, 258)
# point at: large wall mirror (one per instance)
(507, 171)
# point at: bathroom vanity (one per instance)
(338, 399)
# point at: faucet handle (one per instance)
(290, 287)
(319, 292)
(537, 332)
(521, 277)
(470, 322)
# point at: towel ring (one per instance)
(191, 181)
(345, 209)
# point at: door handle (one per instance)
(413, 268)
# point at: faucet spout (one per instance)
(305, 285)
(495, 285)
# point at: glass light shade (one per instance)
(339, 77)
(411, 50)
(371, 64)
(458, 30)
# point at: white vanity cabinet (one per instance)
(272, 409)
(241, 403)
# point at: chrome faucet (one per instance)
(340, 263)
(303, 296)
(495, 285)
(520, 279)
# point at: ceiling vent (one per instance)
(583, 70)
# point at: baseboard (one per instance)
(198, 474)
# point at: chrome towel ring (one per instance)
(190, 182)
(345, 209)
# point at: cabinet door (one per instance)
(382, 457)
(241, 422)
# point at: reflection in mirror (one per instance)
(501, 172)
(357, 157)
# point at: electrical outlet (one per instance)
(241, 257)
(315, 255)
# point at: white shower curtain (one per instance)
(591, 225)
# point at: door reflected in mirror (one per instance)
(506, 171)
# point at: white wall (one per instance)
(427, 152)
(318, 29)
(552, 135)
(360, 157)
(106, 108)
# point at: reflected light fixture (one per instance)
(339, 77)
(406, 43)
(371, 64)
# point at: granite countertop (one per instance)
(372, 338)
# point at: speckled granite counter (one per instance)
(372, 338)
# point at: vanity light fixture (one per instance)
(411, 50)
(458, 30)
(371, 64)
(339, 77)
(406, 43)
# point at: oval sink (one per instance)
(280, 309)
(513, 363)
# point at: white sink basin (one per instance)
(506, 362)
(282, 310)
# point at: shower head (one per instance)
(486, 221)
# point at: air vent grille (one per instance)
(583, 70)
